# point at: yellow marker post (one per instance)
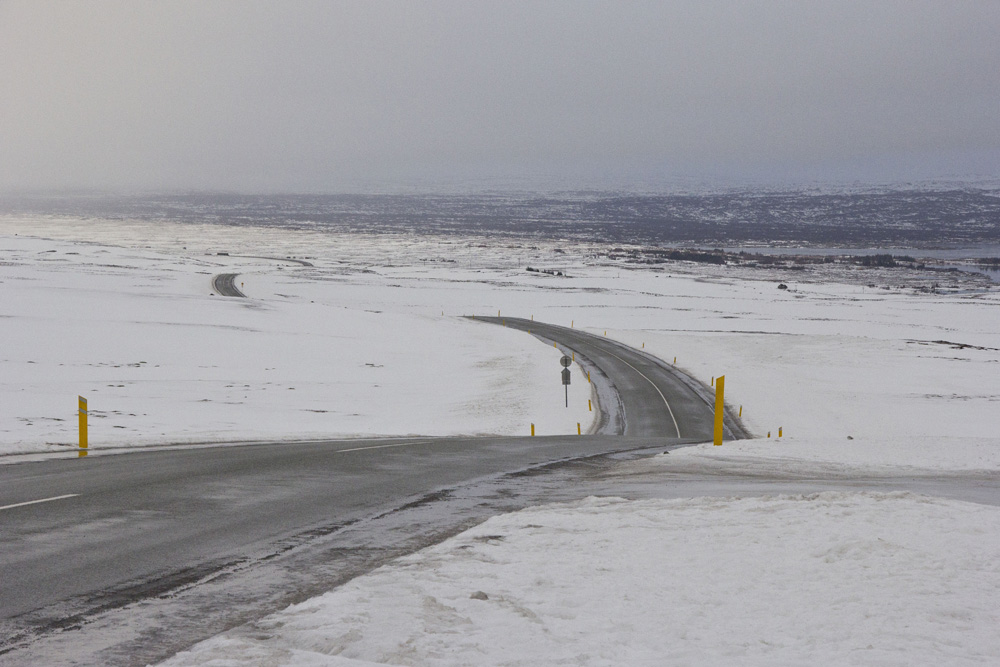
(578, 432)
(554, 344)
(588, 377)
(82, 409)
(741, 411)
(590, 408)
(675, 361)
(574, 356)
(532, 430)
(713, 380)
(720, 407)
(779, 431)
(571, 323)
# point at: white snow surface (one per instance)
(857, 378)
(831, 578)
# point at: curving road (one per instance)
(117, 536)
(225, 285)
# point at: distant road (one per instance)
(225, 285)
(86, 537)
(655, 398)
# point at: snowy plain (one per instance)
(859, 379)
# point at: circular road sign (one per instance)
(565, 361)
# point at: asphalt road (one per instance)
(114, 530)
(225, 285)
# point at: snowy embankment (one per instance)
(162, 360)
(858, 379)
(833, 579)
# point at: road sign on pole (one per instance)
(565, 361)
(565, 381)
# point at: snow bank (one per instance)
(832, 578)
(313, 353)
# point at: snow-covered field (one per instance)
(859, 379)
(831, 579)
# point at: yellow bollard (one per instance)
(578, 431)
(769, 434)
(720, 407)
(82, 410)
(741, 411)
(590, 408)
(644, 345)
(779, 431)
(554, 344)
(532, 430)
(605, 332)
(713, 380)
(675, 361)
(571, 323)
(574, 356)
(588, 377)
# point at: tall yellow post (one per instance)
(578, 432)
(82, 409)
(532, 429)
(720, 383)
(779, 431)
(741, 411)
(590, 408)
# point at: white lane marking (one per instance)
(35, 502)
(676, 427)
(360, 449)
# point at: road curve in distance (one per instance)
(225, 285)
(658, 400)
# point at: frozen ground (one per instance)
(833, 579)
(891, 382)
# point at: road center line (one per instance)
(676, 427)
(35, 502)
(359, 449)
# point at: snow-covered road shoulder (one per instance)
(830, 578)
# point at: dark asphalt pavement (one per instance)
(225, 285)
(141, 524)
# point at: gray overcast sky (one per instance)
(335, 96)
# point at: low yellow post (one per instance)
(82, 408)
(713, 380)
(588, 377)
(574, 356)
(769, 434)
(741, 411)
(578, 431)
(779, 431)
(675, 361)
(605, 333)
(644, 345)
(554, 344)
(532, 430)
(720, 406)
(571, 323)
(590, 408)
